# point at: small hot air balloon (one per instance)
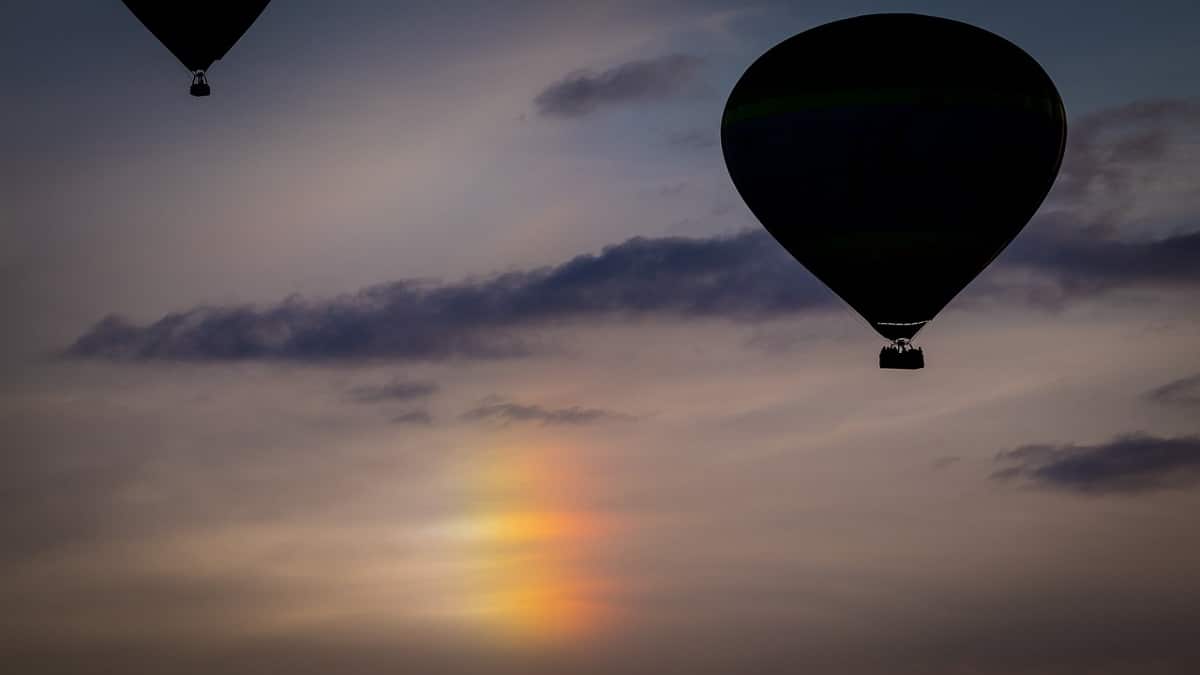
(197, 33)
(894, 156)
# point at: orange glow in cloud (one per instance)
(528, 547)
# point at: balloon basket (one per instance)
(200, 84)
(901, 356)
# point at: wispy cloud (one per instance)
(584, 91)
(417, 417)
(693, 139)
(1182, 392)
(396, 390)
(1127, 464)
(1127, 167)
(499, 410)
(1105, 144)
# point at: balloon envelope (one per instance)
(197, 33)
(894, 156)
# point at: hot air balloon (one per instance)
(197, 33)
(894, 156)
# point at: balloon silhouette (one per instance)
(894, 156)
(197, 33)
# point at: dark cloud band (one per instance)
(1126, 464)
(1070, 268)
(746, 277)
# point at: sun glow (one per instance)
(528, 545)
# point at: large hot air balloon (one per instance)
(894, 156)
(197, 33)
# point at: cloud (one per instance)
(743, 277)
(1127, 464)
(1182, 392)
(1130, 167)
(419, 417)
(583, 92)
(1104, 145)
(1065, 269)
(396, 390)
(746, 276)
(498, 410)
(693, 139)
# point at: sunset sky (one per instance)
(437, 340)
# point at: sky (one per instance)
(437, 339)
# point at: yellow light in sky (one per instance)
(528, 546)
